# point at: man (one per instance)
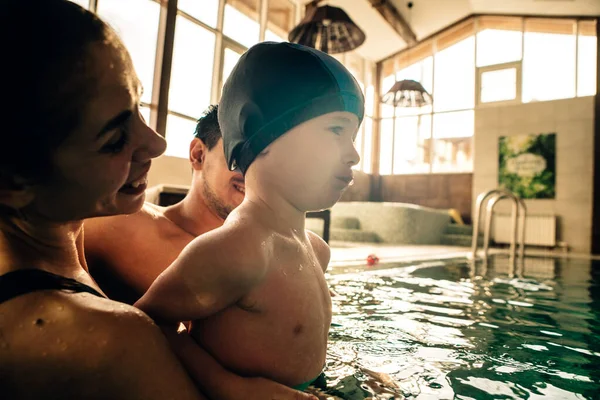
(126, 253)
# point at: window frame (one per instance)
(159, 104)
(451, 35)
(479, 71)
(233, 46)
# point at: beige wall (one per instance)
(573, 122)
(170, 170)
(360, 190)
(431, 190)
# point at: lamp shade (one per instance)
(407, 93)
(328, 29)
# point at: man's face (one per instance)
(222, 189)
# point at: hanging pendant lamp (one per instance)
(328, 29)
(407, 93)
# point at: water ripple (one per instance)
(445, 332)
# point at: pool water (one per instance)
(452, 331)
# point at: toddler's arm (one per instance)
(212, 272)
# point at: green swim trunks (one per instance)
(319, 381)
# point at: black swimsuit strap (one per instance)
(17, 283)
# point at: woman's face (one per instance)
(102, 166)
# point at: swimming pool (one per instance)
(445, 330)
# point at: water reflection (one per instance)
(450, 331)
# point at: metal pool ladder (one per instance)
(518, 211)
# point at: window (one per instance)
(406, 142)
(508, 60)
(549, 60)
(411, 145)
(83, 3)
(362, 71)
(386, 144)
(422, 72)
(499, 40)
(367, 145)
(499, 83)
(355, 65)
(369, 100)
(136, 22)
(145, 111)
(454, 81)
(191, 73)
(191, 83)
(387, 111)
(387, 83)
(586, 59)
(359, 144)
(205, 10)
(180, 132)
(196, 75)
(241, 21)
(453, 141)
(230, 59)
(281, 16)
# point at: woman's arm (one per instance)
(140, 365)
(219, 383)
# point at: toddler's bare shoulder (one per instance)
(321, 249)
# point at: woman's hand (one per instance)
(262, 389)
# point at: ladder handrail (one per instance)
(519, 210)
(522, 215)
(488, 221)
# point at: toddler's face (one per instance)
(311, 165)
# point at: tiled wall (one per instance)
(573, 122)
(430, 190)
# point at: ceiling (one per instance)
(430, 16)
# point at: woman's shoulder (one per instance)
(56, 335)
(60, 345)
(51, 320)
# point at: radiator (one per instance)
(540, 230)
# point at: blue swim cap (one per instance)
(275, 87)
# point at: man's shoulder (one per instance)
(148, 213)
(100, 232)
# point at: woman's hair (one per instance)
(46, 81)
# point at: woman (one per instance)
(74, 146)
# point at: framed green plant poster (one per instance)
(527, 165)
